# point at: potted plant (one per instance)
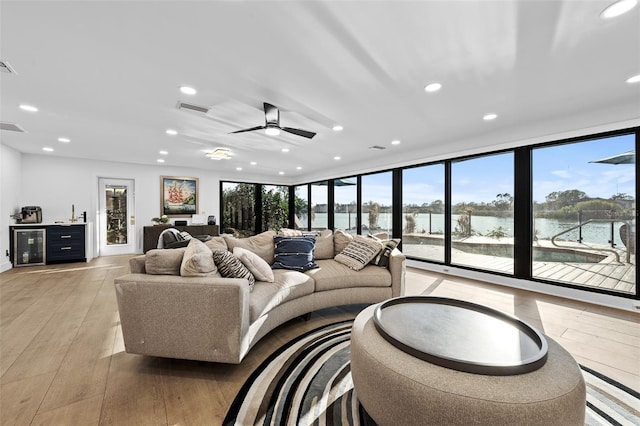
(160, 220)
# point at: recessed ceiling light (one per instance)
(336, 158)
(395, 142)
(172, 132)
(280, 173)
(239, 169)
(634, 79)
(285, 149)
(160, 160)
(164, 152)
(337, 128)
(490, 117)
(298, 168)
(272, 131)
(188, 90)
(618, 8)
(48, 149)
(64, 140)
(432, 87)
(253, 163)
(29, 108)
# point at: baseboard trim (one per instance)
(5, 266)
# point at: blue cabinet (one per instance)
(66, 243)
(39, 244)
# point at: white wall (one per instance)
(55, 183)
(10, 197)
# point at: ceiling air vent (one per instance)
(10, 126)
(5, 67)
(191, 107)
(377, 147)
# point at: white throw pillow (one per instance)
(254, 263)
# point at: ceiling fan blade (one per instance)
(271, 114)
(249, 130)
(299, 132)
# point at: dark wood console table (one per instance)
(151, 233)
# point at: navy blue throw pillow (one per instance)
(294, 253)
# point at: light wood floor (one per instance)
(62, 359)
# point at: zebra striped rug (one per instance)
(308, 381)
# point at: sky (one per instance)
(556, 168)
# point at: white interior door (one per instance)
(116, 218)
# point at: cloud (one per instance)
(562, 174)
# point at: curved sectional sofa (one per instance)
(218, 319)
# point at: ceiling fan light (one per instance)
(272, 131)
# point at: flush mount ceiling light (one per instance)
(160, 160)
(280, 173)
(219, 154)
(253, 163)
(164, 152)
(395, 142)
(634, 79)
(188, 90)
(298, 168)
(618, 8)
(336, 158)
(239, 169)
(490, 117)
(64, 140)
(432, 87)
(29, 108)
(171, 132)
(285, 149)
(48, 149)
(337, 128)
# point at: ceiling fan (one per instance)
(272, 124)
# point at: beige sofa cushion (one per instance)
(261, 244)
(324, 245)
(333, 275)
(216, 243)
(163, 262)
(254, 263)
(198, 260)
(341, 240)
(288, 285)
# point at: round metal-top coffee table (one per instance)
(461, 335)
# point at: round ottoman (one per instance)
(396, 388)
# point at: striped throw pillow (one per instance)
(359, 252)
(230, 266)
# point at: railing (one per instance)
(611, 221)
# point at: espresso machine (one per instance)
(30, 214)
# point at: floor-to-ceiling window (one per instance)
(377, 203)
(319, 205)
(482, 212)
(275, 207)
(238, 208)
(345, 205)
(301, 207)
(423, 212)
(584, 210)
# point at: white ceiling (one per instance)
(106, 75)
